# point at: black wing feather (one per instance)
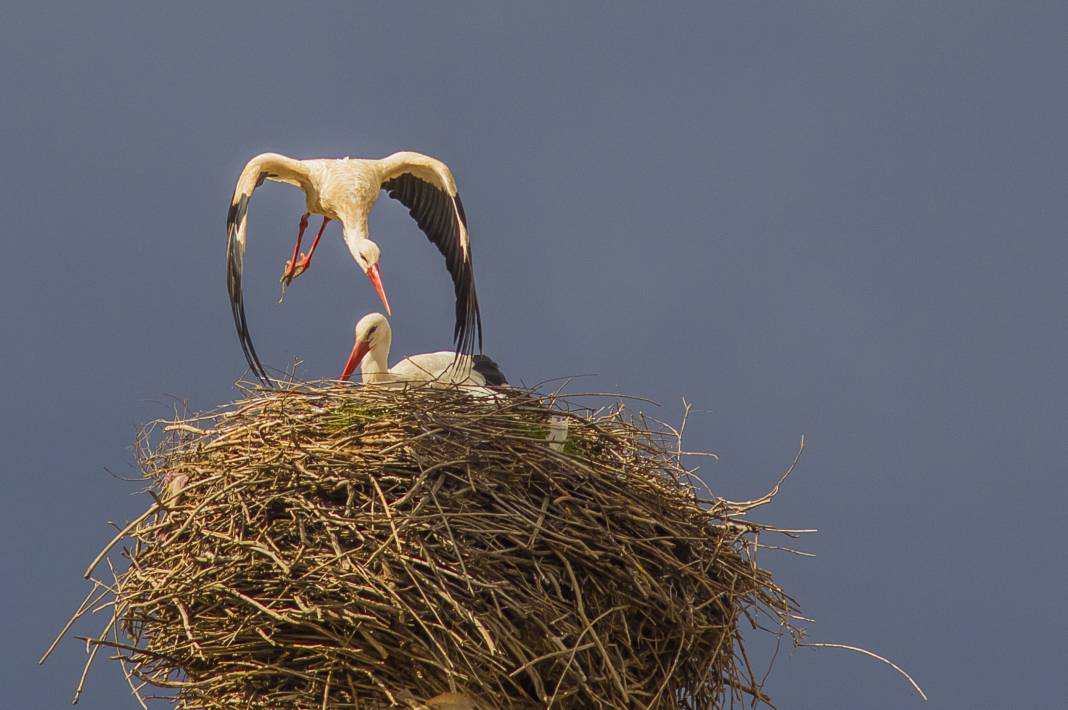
(435, 212)
(485, 366)
(234, 267)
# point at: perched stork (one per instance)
(478, 374)
(345, 189)
(371, 353)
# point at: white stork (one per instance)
(478, 374)
(345, 189)
(371, 353)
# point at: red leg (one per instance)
(322, 228)
(289, 271)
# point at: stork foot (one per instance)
(294, 268)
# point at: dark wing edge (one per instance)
(234, 266)
(440, 217)
(490, 370)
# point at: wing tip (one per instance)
(237, 306)
(490, 370)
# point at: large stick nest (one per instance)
(342, 546)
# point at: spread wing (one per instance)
(426, 187)
(268, 166)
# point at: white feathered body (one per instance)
(440, 368)
(345, 190)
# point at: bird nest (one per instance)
(330, 546)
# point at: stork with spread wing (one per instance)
(345, 189)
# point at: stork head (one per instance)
(367, 255)
(373, 335)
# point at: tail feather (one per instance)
(489, 369)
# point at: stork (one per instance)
(371, 353)
(345, 189)
(478, 374)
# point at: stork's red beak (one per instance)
(376, 279)
(358, 351)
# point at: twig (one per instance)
(866, 652)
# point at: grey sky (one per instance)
(842, 219)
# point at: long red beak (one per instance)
(376, 279)
(358, 351)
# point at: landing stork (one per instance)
(345, 189)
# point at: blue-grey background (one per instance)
(844, 219)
